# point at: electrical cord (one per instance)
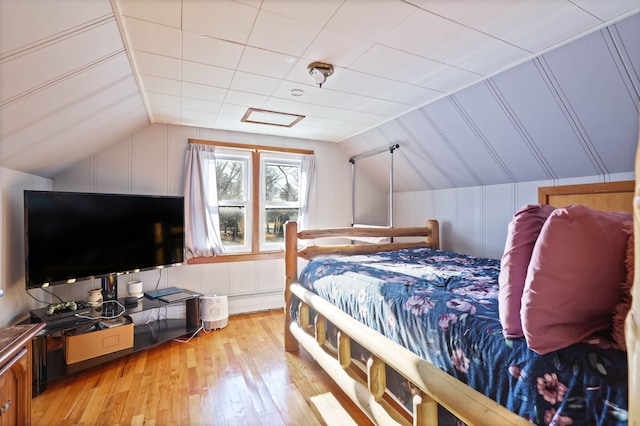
(41, 301)
(159, 278)
(123, 310)
(192, 336)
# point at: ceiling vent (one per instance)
(271, 118)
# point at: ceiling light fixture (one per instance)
(296, 92)
(320, 72)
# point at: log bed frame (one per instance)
(366, 384)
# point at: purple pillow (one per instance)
(523, 232)
(574, 276)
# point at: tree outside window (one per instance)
(281, 183)
(232, 176)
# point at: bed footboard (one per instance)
(291, 253)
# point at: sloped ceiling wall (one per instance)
(570, 112)
(66, 86)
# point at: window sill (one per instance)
(244, 257)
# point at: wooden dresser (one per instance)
(15, 373)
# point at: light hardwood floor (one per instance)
(239, 375)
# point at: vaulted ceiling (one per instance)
(475, 92)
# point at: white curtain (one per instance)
(202, 224)
(307, 188)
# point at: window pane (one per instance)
(232, 223)
(230, 177)
(281, 182)
(276, 218)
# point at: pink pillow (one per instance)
(523, 232)
(574, 276)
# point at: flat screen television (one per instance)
(72, 236)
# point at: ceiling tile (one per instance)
(162, 114)
(418, 97)
(449, 80)
(159, 66)
(315, 13)
(198, 118)
(336, 48)
(246, 82)
(165, 12)
(367, 85)
(167, 86)
(380, 106)
(260, 61)
(206, 74)
(201, 91)
(153, 38)
(210, 51)
(396, 64)
(292, 37)
(606, 10)
(223, 19)
(370, 20)
(162, 100)
(453, 44)
(200, 105)
(531, 25)
(238, 98)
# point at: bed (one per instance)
(412, 333)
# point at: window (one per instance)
(258, 192)
(233, 174)
(280, 198)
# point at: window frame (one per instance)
(256, 252)
(248, 190)
(267, 159)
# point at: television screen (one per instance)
(76, 236)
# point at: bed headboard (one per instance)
(608, 196)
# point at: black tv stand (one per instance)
(48, 359)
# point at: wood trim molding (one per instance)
(609, 196)
(244, 257)
(253, 147)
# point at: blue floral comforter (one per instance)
(443, 306)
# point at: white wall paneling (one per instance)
(149, 159)
(15, 304)
(474, 220)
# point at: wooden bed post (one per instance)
(291, 276)
(344, 350)
(425, 410)
(376, 377)
(434, 237)
(632, 325)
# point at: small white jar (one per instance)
(95, 297)
(135, 288)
